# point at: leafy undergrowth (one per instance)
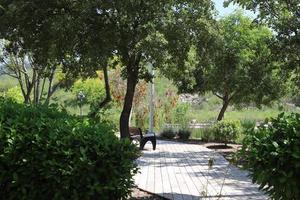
(48, 154)
(272, 154)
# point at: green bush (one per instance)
(13, 93)
(92, 88)
(226, 131)
(48, 154)
(168, 133)
(272, 155)
(184, 134)
(248, 124)
(204, 134)
(179, 114)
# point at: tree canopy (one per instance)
(239, 68)
(283, 18)
(80, 34)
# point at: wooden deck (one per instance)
(180, 171)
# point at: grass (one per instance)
(7, 82)
(247, 116)
(209, 110)
(253, 114)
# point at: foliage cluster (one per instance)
(166, 104)
(7, 82)
(184, 134)
(13, 93)
(47, 154)
(239, 58)
(283, 18)
(84, 35)
(272, 155)
(92, 88)
(204, 134)
(247, 124)
(180, 114)
(168, 133)
(226, 131)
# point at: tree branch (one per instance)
(8, 74)
(219, 96)
(107, 94)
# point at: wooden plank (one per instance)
(171, 166)
(158, 189)
(166, 177)
(151, 174)
(144, 172)
(195, 185)
(200, 167)
(180, 171)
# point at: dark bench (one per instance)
(136, 134)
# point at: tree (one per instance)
(58, 33)
(239, 69)
(33, 78)
(142, 32)
(94, 47)
(24, 25)
(138, 32)
(283, 18)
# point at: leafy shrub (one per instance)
(179, 114)
(48, 154)
(14, 93)
(248, 124)
(226, 131)
(93, 89)
(184, 134)
(168, 134)
(205, 134)
(272, 155)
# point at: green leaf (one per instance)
(275, 144)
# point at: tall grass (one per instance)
(204, 134)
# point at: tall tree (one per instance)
(239, 69)
(145, 32)
(138, 32)
(282, 17)
(34, 30)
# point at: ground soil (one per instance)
(139, 194)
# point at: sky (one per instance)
(231, 8)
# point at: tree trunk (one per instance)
(50, 90)
(224, 107)
(107, 94)
(29, 86)
(37, 90)
(42, 89)
(132, 75)
(27, 99)
(23, 90)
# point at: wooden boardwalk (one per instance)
(180, 171)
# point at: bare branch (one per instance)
(8, 74)
(219, 96)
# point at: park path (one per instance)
(180, 171)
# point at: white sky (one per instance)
(225, 11)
